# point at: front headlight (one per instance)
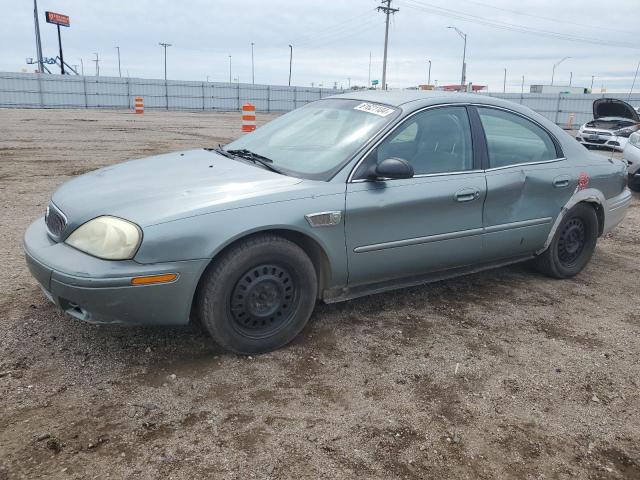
(634, 139)
(106, 237)
(625, 132)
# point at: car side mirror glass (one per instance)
(393, 168)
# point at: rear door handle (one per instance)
(466, 195)
(561, 181)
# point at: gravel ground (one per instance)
(503, 374)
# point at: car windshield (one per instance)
(315, 140)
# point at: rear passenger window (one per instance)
(512, 139)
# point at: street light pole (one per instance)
(504, 82)
(592, 78)
(463, 35)
(570, 78)
(253, 79)
(290, 62)
(166, 88)
(553, 72)
(429, 77)
(119, 69)
(97, 60)
(229, 68)
(82, 66)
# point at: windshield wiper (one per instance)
(256, 158)
(221, 151)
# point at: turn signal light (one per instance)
(149, 279)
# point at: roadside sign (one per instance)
(374, 82)
(57, 19)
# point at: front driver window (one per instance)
(437, 140)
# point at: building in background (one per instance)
(555, 89)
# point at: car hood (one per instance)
(167, 187)
(612, 107)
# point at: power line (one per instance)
(343, 32)
(540, 17)
(466, 17)
(330, 29)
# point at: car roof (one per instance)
(409, 100)
(397, 98)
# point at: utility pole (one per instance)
(229, 68)
(504, 82)
(522, 88)
(463, 81)
(119, 70)
(290, 62)
(38, 42)
(369, 81)
(429, 77)
(592, 77)
(570, 78)
(634, 81)
(387, 10)
(82, 66)
(97, 60)
(253, 78)
(553, 72)
(166, 88)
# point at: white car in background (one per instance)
(613, 123)
(631, 156)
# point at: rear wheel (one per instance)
(258, 296)
(572, 245)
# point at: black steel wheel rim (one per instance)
(263, 300)
(571, 241)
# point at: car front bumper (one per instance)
(602, 141)
(100, 291)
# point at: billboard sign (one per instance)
(57, 19)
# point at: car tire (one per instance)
(258, 296)
(634, 186)
(572, 245)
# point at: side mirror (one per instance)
(393, 168)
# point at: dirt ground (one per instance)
(505, 374)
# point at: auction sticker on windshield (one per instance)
(379, 110)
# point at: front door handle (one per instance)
(467, 195)
(561, 181)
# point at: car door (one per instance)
(528, 183)
(433, 221)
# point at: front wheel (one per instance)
(572, 245)
(258, 296)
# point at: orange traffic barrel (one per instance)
(139, 105)
(248, 117)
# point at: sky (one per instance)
(332, 40)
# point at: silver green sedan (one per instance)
(347, 196)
